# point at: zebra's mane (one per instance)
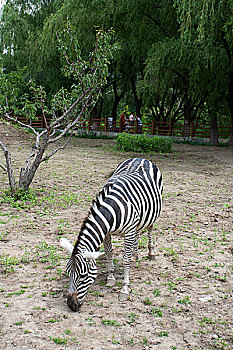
(96, 202)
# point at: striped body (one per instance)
(130, 201)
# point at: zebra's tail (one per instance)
(66, 245)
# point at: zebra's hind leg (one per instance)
(151, 251)
(111, 281)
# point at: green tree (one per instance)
(208, 24)
(62, 113)
(21, 25)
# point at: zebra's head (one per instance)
(82, 271)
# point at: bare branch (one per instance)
(60, 119)
(43, 113)
(56, 150)
(21, 123)
(2, 166)
(72, 124)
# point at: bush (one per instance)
(143, 144)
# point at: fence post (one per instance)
(153, 127)
(120, 125)
(170, 128)
(192, 129)
(106, 124)
(136, 126)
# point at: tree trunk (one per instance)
(187, 118)
(230, 101)
(9, 168)
(137, 100)
(29, 169)
(214, 130)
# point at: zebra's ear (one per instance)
(66, 245)
(92, 255)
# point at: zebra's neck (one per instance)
(95, 227)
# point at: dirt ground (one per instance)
(182, 300)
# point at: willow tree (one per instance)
(21, 26)
(137, 24)
(66, 108)
(208, 24)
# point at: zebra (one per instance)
(130, 201)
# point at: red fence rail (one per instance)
(136, 127)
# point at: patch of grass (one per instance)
(93, 135)
(47, 254)
(63, 226)
(147, 301)
(4, 234)
(143, 242)
(162, 334)
(156, 292)
(46, 201)
(114, 341)
(8, 263)
(15, 293)
(20, 200)
(110, 322)
(53, 320)
(59, 340)
(185, 300)
(156, 312)
(132, 318)
(90, 321)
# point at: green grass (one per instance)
(9, 263)
(110, 322)
(93, 135)
(156, 312)
(46, 200)
(59, 340)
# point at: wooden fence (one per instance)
(153, 128)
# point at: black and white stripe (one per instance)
(130, 201)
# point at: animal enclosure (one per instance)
(181, 300)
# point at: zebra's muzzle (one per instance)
(73, 302)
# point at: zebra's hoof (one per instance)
(111, 282)
(151, 257)
(123, 296)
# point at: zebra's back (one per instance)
(135, 183)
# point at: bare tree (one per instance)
(65, 109)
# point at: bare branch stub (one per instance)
(9, 168)
(2, 166)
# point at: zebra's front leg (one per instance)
(111, 281)
(135, 248)
(151, 251)
(127, 257)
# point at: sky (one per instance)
(2, 2)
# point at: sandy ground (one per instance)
(182, 300)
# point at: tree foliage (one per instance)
(174, 62)
(65, 109)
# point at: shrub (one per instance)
(145, 144)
